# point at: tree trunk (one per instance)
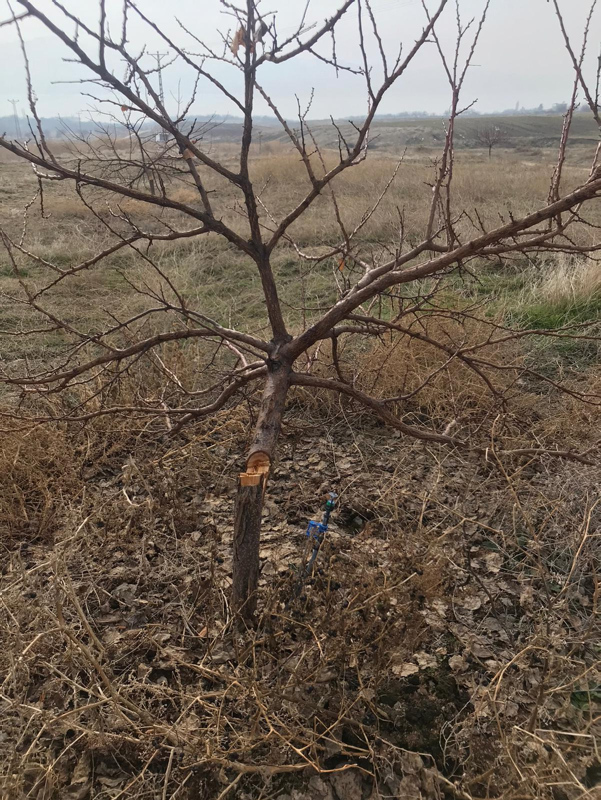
(247, 527)
(251, 490)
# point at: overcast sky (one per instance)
(520, 58)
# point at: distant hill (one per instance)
(393, 134)
(54, 127)
(388, 132)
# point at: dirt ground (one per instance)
(447, 643)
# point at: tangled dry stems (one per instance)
(459, 620)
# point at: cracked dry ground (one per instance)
(446, 645)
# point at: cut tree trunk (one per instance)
(251, 491)
(247, 528)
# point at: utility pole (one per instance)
(16, 118)
(157, 57)
(163, 135)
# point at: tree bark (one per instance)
(251, 491)
(247, 528)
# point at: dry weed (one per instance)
(458, 621)
(39, 475)
(434, 381)
(454, 611)
(568, 283)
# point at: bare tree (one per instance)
(490, 136)
(383, 288)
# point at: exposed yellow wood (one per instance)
(258, 462)
(250, 478)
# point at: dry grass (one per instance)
(568, 284)
(123, 670)
(459, 622)
(440, 386)
(457, 618)
(39, 474)
(509, 182)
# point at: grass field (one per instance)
(448, 645)
(392, 135)
(211, 271)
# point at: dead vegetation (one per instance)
(446, 645)
(167, 308)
